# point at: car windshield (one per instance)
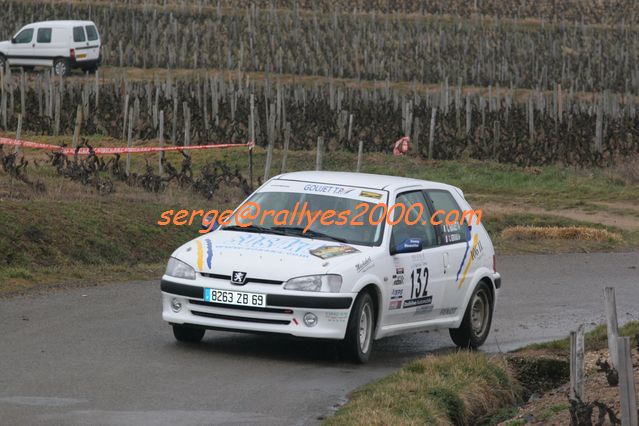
(289, 213)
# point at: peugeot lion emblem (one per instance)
(238, 278)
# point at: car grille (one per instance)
(242, 308)
(248, 279)
(242, 319)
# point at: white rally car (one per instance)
(355, 283)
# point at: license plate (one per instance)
(230, 297)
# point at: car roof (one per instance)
(362, 180)
(62, 23)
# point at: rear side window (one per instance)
(92, 32)
(78, 34)
(443, 204)
(44, 35)
(25, 36)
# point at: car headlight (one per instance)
(327, 283)
(178, 269)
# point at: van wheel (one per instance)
(61, 67)
(477, 319)
(188, 334)
(358, 343)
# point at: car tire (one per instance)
(478, 317)
(360, 331)
(188, 334)
(61, 67)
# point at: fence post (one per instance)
(129, 142)
(287, 138)
(627, 390)
(611, 324)
(18, 133)
(161, 132)
(431, 135)
(78, 125)
(318, 158)
(360, 154)
(577, 363)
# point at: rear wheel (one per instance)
(477, 319)
(188, 334)
(358, 343)
(62, 67)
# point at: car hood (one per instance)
(266, 256)
(4, 45)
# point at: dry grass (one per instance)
(559, 233)
(457, 388)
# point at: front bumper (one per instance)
(283, 314)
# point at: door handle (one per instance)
(33, 45)
(446, 265)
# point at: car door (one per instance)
(456, 243)
(22, 46)
(417, 284)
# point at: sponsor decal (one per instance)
(238, 278)
(336, 316)
(298, 247)
(327, 252)
(424, 310)
(397, 293)
(327, 189)
(365, 265)
(370, 194)
(394, 304)
(447, 311)
(200, 254)
(398, 277)
(209, 252)
(411, 303)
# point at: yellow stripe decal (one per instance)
(472, 257)
(200, 255)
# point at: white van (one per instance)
(63, 45)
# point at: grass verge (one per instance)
(595, 339)
(457, 388)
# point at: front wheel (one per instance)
(358, 343)
(477, 319)
(188, 334)
(62, 67)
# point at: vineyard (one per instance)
(529, 83)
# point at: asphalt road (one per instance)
(102, 355)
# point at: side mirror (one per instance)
(206, 224)
(13, 40)
(409, 245)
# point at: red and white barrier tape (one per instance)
(119, 150)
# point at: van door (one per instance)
(417, 285)
(43, 51)
(22, 47)
(85, 50)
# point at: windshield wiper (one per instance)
(298, 230)
(254, 228)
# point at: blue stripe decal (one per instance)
(461, 265)
(209, 253)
